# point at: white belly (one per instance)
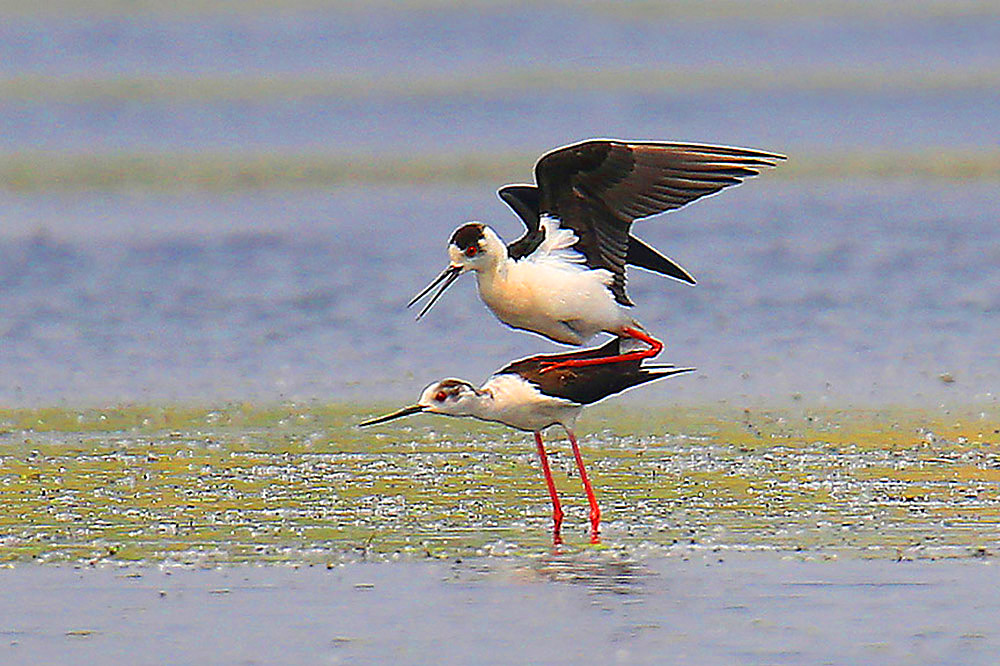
(567, 304)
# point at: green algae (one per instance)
(30, 171)
(301, 484)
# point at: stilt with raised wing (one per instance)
(565, 278)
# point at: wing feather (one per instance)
(598, 188)
(523, 200)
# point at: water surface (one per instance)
(844, 290)
(714, 608)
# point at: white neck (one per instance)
(495, 271)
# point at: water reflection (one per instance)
(598, 572)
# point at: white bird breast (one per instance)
(553, 292)
(519, 404)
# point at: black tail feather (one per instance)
(649, 374)
(658, 372)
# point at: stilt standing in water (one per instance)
(533, 394)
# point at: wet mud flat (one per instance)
(301, 484)
(592, 607)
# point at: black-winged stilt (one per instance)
(565, 278)
(531, 394)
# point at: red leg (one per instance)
(557, 513)
(655, 347)
(595, 511)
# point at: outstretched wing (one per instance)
(598, 188)
(525, 200)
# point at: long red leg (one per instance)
(655, 347)
(595, 511)
(557, 513)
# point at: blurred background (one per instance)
(207, 202)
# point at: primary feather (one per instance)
(599, 187)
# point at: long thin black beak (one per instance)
(405, 411)
(447, 276)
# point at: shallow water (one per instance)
(204, 206)
(835, 290)
(731, 608)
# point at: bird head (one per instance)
(473, 247)
(450, 397)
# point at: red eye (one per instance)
(440, 396)
(471, 251)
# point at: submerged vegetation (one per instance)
(301, 484)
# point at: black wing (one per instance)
(643, 256)
(525, 200)
(598, 188)
(588, 384)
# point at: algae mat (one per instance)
(301, 484)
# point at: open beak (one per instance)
(405, 411)
(447, 276)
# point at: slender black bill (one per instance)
(447, 276)
(405, 411)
